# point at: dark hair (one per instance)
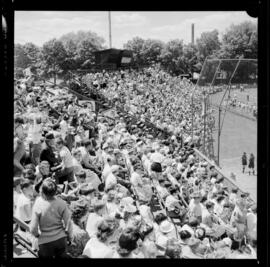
(160, 217)
(87, 142)
(178, 176)
(172, 190)
(209, 204)
(200, 236)
(234, 190)
(49, 187)
(220, 198)
(25, 183)
(29, 174)
(193, 222)
(173, 249)
(19, 120)
(78, 210)
(184, 234)
(127, 242)
(55, 127)
(59, 141)
(104, 230)
(30, 166)
(156, 167)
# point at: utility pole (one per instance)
(110, 30)
(219, 131)
(204, 121)
(192, 33)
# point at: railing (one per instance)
(227, 181)
(20, 239)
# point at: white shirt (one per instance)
(195, 209)
(106, 171)
(23, 203)
(170, 202)
(252, 224)
(110, 181)
(96, 249)
(34, 133)
(15, 198)
(157, 157)
(92, 222)
(66, 157)
(64, 128)
(233, 198)
(111, 208)
(135, 179)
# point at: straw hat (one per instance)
(166, 227)
(130, 208)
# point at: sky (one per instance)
(39, 27)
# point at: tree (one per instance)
(136, 46)
(171, 56)
(21, 60)
(191, 58)
(54, 56)
(151, 50)
(240, 41)
(207, 44)
(80, 47)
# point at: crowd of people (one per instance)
(91, 186)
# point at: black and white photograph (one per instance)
(135, 134)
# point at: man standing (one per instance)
(66, 172)
(244, 161)
(47, 154)
(251, 164)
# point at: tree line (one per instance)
(75, 51)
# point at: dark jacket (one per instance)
(244, 160)
(48, 155)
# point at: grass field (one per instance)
(238, 135)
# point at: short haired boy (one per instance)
(24, 202)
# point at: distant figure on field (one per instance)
(233, 176)
(251, 164)
(244, 161)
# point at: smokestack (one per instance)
(192, 33)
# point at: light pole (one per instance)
(110, 30)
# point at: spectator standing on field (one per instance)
(251, 164)
(244, 161)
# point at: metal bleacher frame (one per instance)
(20, 239)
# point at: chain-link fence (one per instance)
(225, 86)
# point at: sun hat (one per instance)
(130, 208)
(115, 168)
(166, 227)
(227, 241)
(127, 200)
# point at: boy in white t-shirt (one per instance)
(25, 202)
(16, 191)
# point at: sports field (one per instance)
(238, 135)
